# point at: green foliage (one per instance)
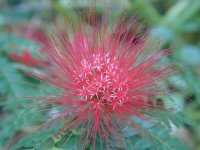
(43, 139)
(176, 22)
(15, 87)
(149, 136)
(16, 43)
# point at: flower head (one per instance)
(26, 58)
(37, 35)
(107, 74)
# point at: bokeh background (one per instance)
(176, 23)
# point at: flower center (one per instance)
(101, 81)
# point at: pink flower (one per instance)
(37, 35)
(107, 75)
(26, 58)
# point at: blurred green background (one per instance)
(176, 23)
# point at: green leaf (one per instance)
(70, 144)
(17, 43)
(41, 140)
(188, 52)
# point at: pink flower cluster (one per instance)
(26, 58)
(107, 75)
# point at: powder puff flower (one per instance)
(107, 74)
(26, 58)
